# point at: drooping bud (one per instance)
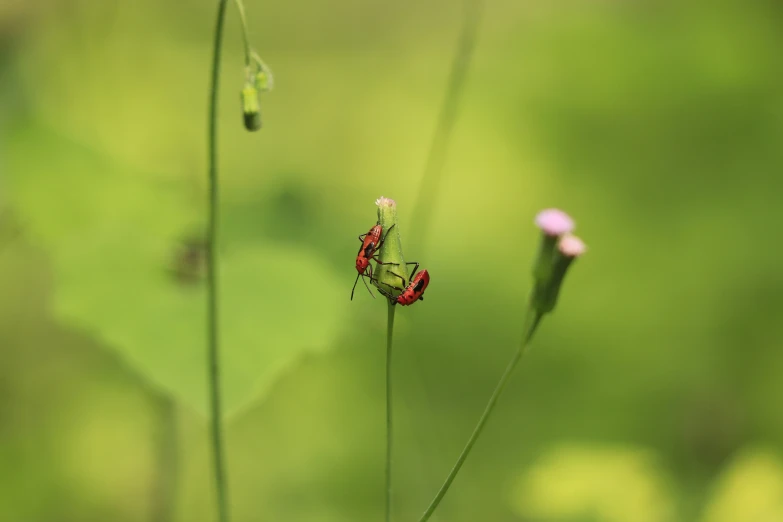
(546, 292)
(250, 108)
(263, 80)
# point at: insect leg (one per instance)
(387, 295)
(415, 268)
(369, 269)
(383, 239)
(404, 282)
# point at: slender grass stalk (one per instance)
(389, 411)
(532, 321)
(212, 279)
(245, 32)
(430, 180)
(165, 483)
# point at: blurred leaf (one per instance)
(751, 489)
(113, 237)
(605, 484)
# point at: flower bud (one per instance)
(553, 223)
(546, 292)
(263, 80)
(250, 108)
(390, 277)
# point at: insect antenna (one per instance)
(365, 284)
(354, 285)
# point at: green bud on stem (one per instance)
(263, 82)
(546, 292)
(542, 268)
(553, 224)
(250, 108)
(392, 276)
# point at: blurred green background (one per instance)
(653, 394)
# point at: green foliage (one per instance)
(114, 237)
(601, 484)
(658, 126)
(577, 482)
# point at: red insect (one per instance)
(371, 243)
(415, 289)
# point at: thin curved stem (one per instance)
(430, 180)
(531, 323)
(389, 431)
(212, 279)
(245, 33)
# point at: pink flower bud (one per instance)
(571, 246)
(554, 222)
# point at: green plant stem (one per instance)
(245, 33)
(531, 323)
(433, 169)
(212, 279)
(389, 431)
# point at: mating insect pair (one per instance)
(371, 244)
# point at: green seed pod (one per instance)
(250, 108)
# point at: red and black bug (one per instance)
(371, 243)
(415, 289)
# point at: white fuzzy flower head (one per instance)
(385, 202)
(554, 222)
(571, 246)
